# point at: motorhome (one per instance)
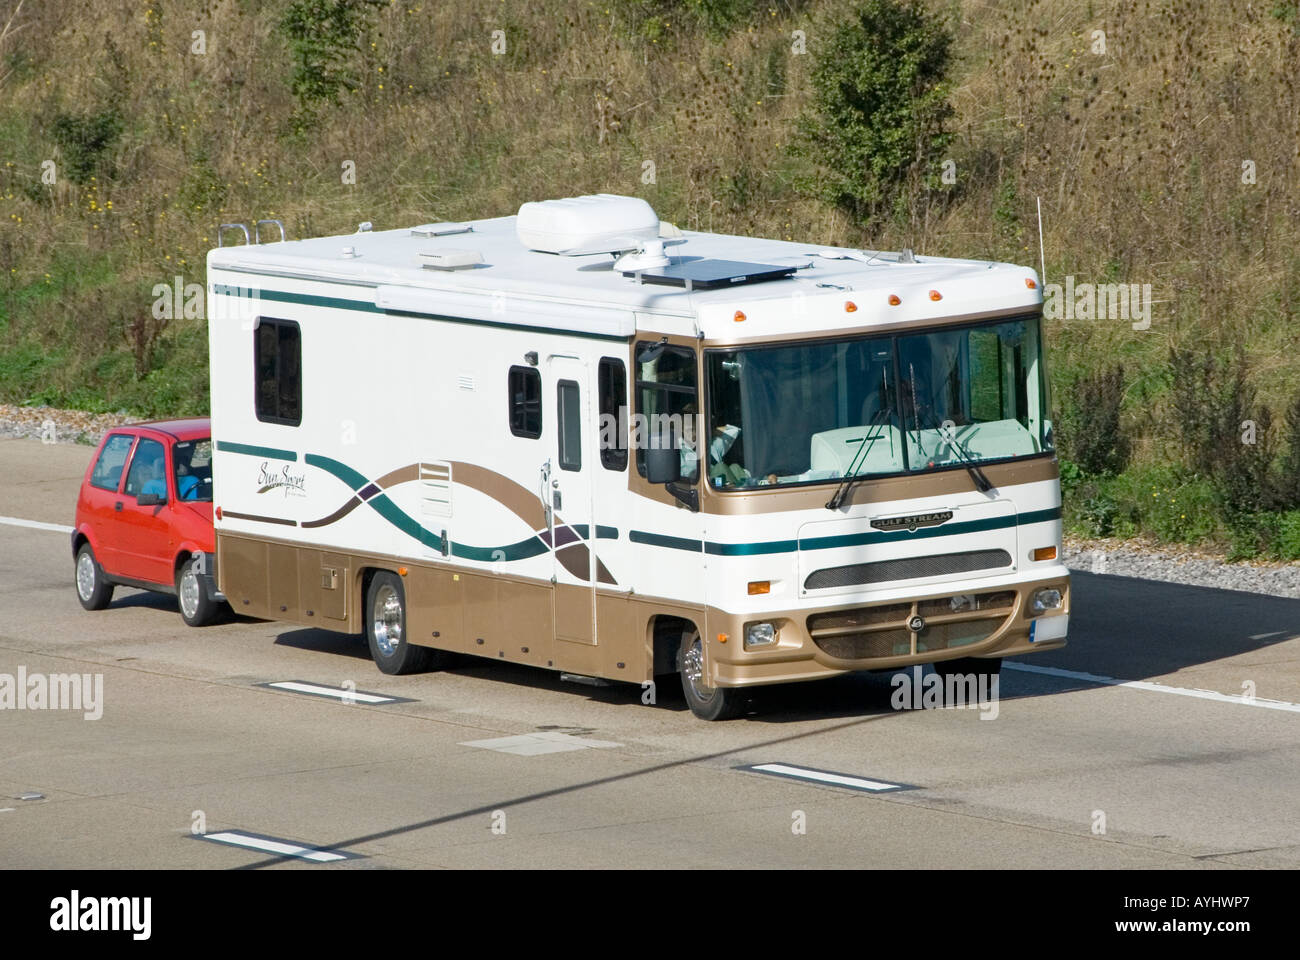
(583, 439)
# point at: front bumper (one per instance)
(818, 642)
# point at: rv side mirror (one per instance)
(663, 465)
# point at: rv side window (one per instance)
(525, 402)
(570, 421)
(667, 403)
(613, 418)
(277, 361)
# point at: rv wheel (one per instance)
(707, 703)
(386, 628)
(92, 590)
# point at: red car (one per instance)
(144, 517)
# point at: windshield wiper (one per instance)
(864, 448)
(981, 482)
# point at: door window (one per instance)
(107, 474)
(148, 470)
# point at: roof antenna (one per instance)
(1042, 256)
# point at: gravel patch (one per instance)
(59, 426)
(1197, 568)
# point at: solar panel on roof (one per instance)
(712, 274)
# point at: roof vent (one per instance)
(450, 259)
(441, 229)
(581, 226)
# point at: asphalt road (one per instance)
(190, 740)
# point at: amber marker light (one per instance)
(850, 306)
(1045, 553)
(401, 571)
(936, 295)
(894, 300)
(759, 586)
(1030, 283)
(218, 511)
(740, 316)
(723, 638)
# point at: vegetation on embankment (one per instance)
(1163, 139)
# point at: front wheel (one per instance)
(706, 702)
(92, 590)
(198, 608)
(386, 629)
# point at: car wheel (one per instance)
(197, 606)
(706, 702)
(386, 629)
(94, 592)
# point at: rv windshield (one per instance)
(820, 411)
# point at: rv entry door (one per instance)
(570, 442)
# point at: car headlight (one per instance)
(1049, 598)
(760, 635)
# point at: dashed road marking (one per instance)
(827, 777)
(341, 694)
(1156, 687)
(284, 848)
(36, 524)
(532, 744)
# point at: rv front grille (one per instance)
(868, 633)
(908, 568)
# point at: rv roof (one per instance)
(830, 289)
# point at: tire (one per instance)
(94, 592)
(196, 604)
(386, 629)
(707, 703)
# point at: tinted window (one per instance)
(148, 470)
(107, 474)
(613, 418)
(666, 400)
(277, 360)
(192, 461)
(570, 419)
(525, 402)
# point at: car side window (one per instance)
(148, 470)
(107, 474)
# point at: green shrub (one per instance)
(880, 104)
(85, 141)
(1288, 539)
(325, 38)
(1092, 432)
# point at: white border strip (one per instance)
(821, 776)
(35, 524)
(1157, 687)
(335, 693)
(268, 845)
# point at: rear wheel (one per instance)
(386, 629)
(706, 702)
(197, 606)
(92, 590)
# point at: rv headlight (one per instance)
(1046, 599)
(760, 635)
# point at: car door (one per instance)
(146, 529)
(100, 497)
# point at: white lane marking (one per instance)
(822, 776)
(235, 838)
(6, 809)
(35, 524)
(335, 693)
(532, 744)
(1265, 636)
(1157, 687)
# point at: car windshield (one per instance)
(193, 462)
(869, 406)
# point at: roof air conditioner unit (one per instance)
(581, 226)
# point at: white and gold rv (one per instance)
(581, 439)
